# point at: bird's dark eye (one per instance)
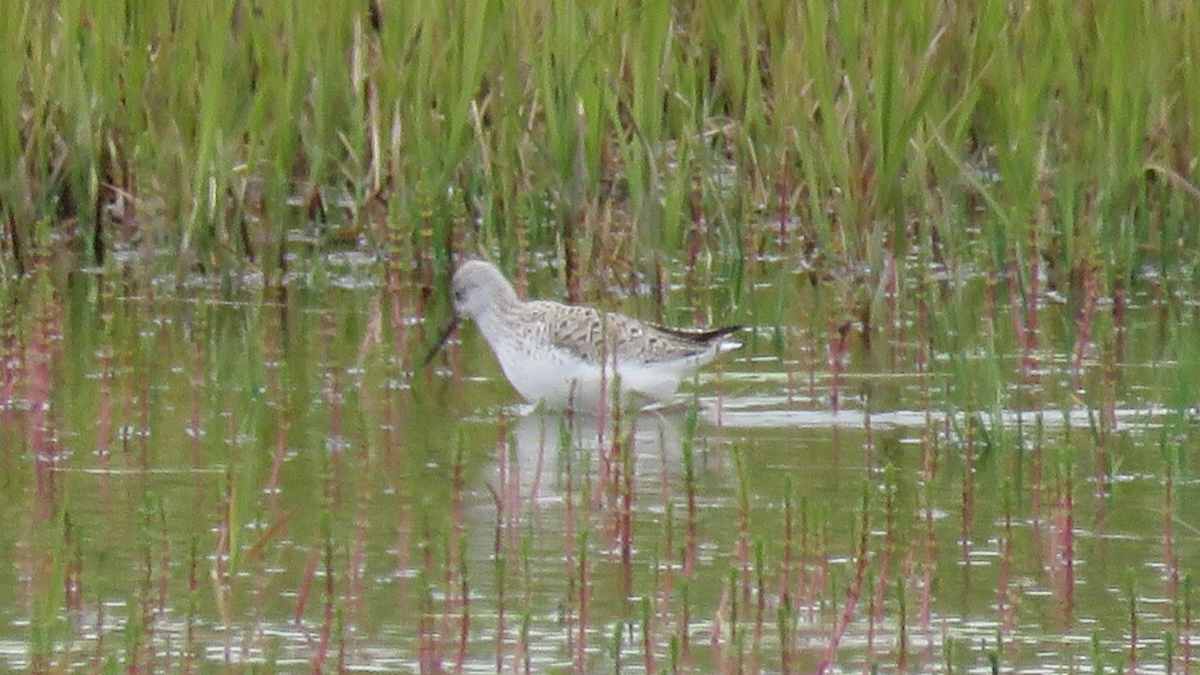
(459, 296)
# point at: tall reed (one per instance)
(611, 130)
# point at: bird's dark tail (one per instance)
(700, 336)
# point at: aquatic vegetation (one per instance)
(960, 434)
(1039, 141)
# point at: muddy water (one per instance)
(221, 475)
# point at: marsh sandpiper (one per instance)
(567, 355)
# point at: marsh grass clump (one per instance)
(1039, 138)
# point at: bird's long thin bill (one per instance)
(441, 341)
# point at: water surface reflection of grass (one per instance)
(242, 478)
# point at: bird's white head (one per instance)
(478, 287)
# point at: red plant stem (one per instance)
(535, 490)
(1014, 311)
(724, 608)
(73, 572)
(1014, 306)
(430, 658)
(584, 597)
(465, 617)
(310, 573)
(881, 579)
(333, 397)
(1006, 609)
(362, 525)
(720, 392)
(424, 273)
(785, 581)
(873, 609)
(505, 504)
(1118, 312)
(923, 347)
(742, 554)
(1062, 558)
(1068, 533)
(791, 382)
(341, 648)
(104, 423)
(837, 350)
(929, 463)
(968, 497)
(889, 548)
(221, 556)
(403, 557)
(145, 396)
(98, 653)
(902, 640)
(1035, 293)
(449, 585)
(989, 305)
(571, 256)
(784, 193)
(659, 287)
(811, 359)
(278, 456)
(695, 242)
(1187, 632)
(891, 293)
(853, 593)
(760, 606)
(508, 505)
(927, 571)
(735, 621)
(668, 537)
(198, 370)
(521, 660)
(613, 463)
(807, 564)
(1132, 667)
(455, 580)
(271, 356)
(648, 633)
(164, 562)
(1035, 472)
(1170, 560)
(689, 485)
(569, 543)
(1107, 426)
(399, 311)
(1083, 333)
(602, 414)
(189, 634)
(501, 583)
(685, 623)
(11, 355)
(41, 354)
(627, 509)
(1102, 478)
(1110, 376)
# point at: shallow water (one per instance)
(228, 475)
